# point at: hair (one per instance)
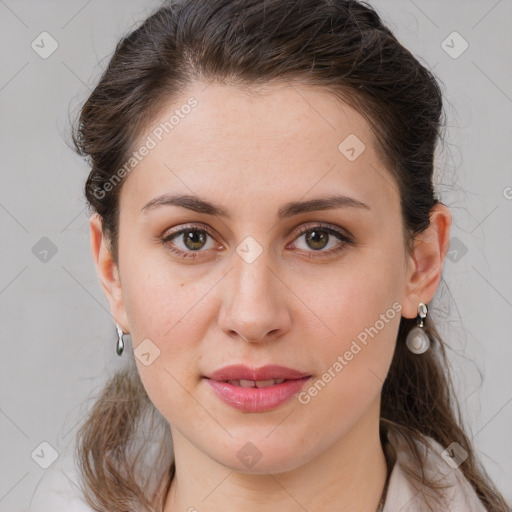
(340, 46)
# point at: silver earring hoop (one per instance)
(120, 342)
(417, 340)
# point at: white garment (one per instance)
(403, 496)
(58, 490)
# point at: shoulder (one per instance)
(58, 490)
(406, 495)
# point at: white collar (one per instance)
(405, 495)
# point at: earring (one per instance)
(417, 339)
(120, 342)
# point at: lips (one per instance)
(265, 373)
(256, 390)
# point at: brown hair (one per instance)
(341, 46)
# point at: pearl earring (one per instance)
(417, 340)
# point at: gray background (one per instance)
(58, 341)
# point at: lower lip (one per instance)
(257, 399)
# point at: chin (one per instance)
(264, 456)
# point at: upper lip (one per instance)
(242, 372)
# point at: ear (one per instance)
(108, 272)
(426, 263)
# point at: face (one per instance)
(318, 290)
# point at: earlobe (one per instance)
(108, 272)
(426, 262)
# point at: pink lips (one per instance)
(256, 399)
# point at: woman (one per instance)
(265, 228)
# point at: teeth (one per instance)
(255, 384)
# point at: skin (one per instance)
(252, 154)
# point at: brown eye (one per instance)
(193, 241)
(319, 237)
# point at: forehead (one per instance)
(277, 143)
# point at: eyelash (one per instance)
(320, 227)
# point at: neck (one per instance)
(349, 475)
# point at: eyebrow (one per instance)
(199, 205)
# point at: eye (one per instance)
(193, 239)
(318, 237)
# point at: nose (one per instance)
(256, 309)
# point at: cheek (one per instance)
(355, 362)
(159, 303)
(171, 318)
(165, 319)
(358, 318)
(353, 298)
